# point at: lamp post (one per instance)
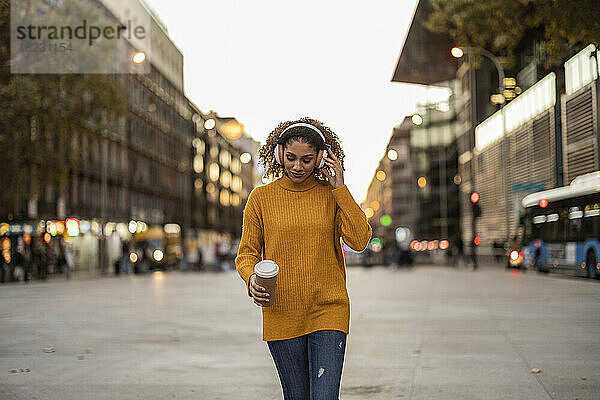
(458, 52)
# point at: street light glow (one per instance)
(417, 119)
(422, 182)
(380, 175)
(375, 205)
(232, 129)
(245, 158)
(139, 57)
(209, 123)
(457, 52)
(392, 155)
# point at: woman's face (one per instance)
(299, 160)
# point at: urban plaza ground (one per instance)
(429, 332)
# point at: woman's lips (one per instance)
(297, 175)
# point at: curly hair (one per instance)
(266, 152)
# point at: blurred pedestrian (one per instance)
(459, 252)
(125, 266)
(367, 258)
(69, 264)
(39, 255)
(217, 258)
(297, 221)
(4, 269)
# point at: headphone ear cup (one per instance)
(278, 154)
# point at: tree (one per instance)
(501, 25)
(39, 115)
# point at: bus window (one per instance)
(575, 222)
(591, 218)
(550, 228)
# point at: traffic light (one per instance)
(475, 207)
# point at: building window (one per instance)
(236, 184)
(226, 179)
(213, 171)
(225, 159)
(225, 197)
(198, 164)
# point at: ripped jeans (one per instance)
(310, 366)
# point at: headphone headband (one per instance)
(305, 125)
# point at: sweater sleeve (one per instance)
(350, 220)
(252, 242)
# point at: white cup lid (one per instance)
(266, 269)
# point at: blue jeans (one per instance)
(310, 366)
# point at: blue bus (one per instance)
(561, 228)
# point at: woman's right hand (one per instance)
(259, 293)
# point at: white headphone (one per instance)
(321, 154)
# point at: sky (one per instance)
(264, 62)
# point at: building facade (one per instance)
(541, 139)
(152, 163)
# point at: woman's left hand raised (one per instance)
(332, 161)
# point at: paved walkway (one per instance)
(425, 333)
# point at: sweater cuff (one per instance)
(246, 273)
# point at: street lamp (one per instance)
(458, 52)
(209, 124)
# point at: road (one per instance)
(425, 333)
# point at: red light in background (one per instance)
(431, 245)
(543, 203)
(444, 244)
(418, 246)
(477, 240)
(474, 197)
(413, 243)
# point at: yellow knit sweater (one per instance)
(299, 226)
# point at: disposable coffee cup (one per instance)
(266, 276)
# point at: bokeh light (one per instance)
(457, 52)
(417, 119)
(139, 57)
(245, 158)
(209, 123)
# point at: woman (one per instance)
(297, 221)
